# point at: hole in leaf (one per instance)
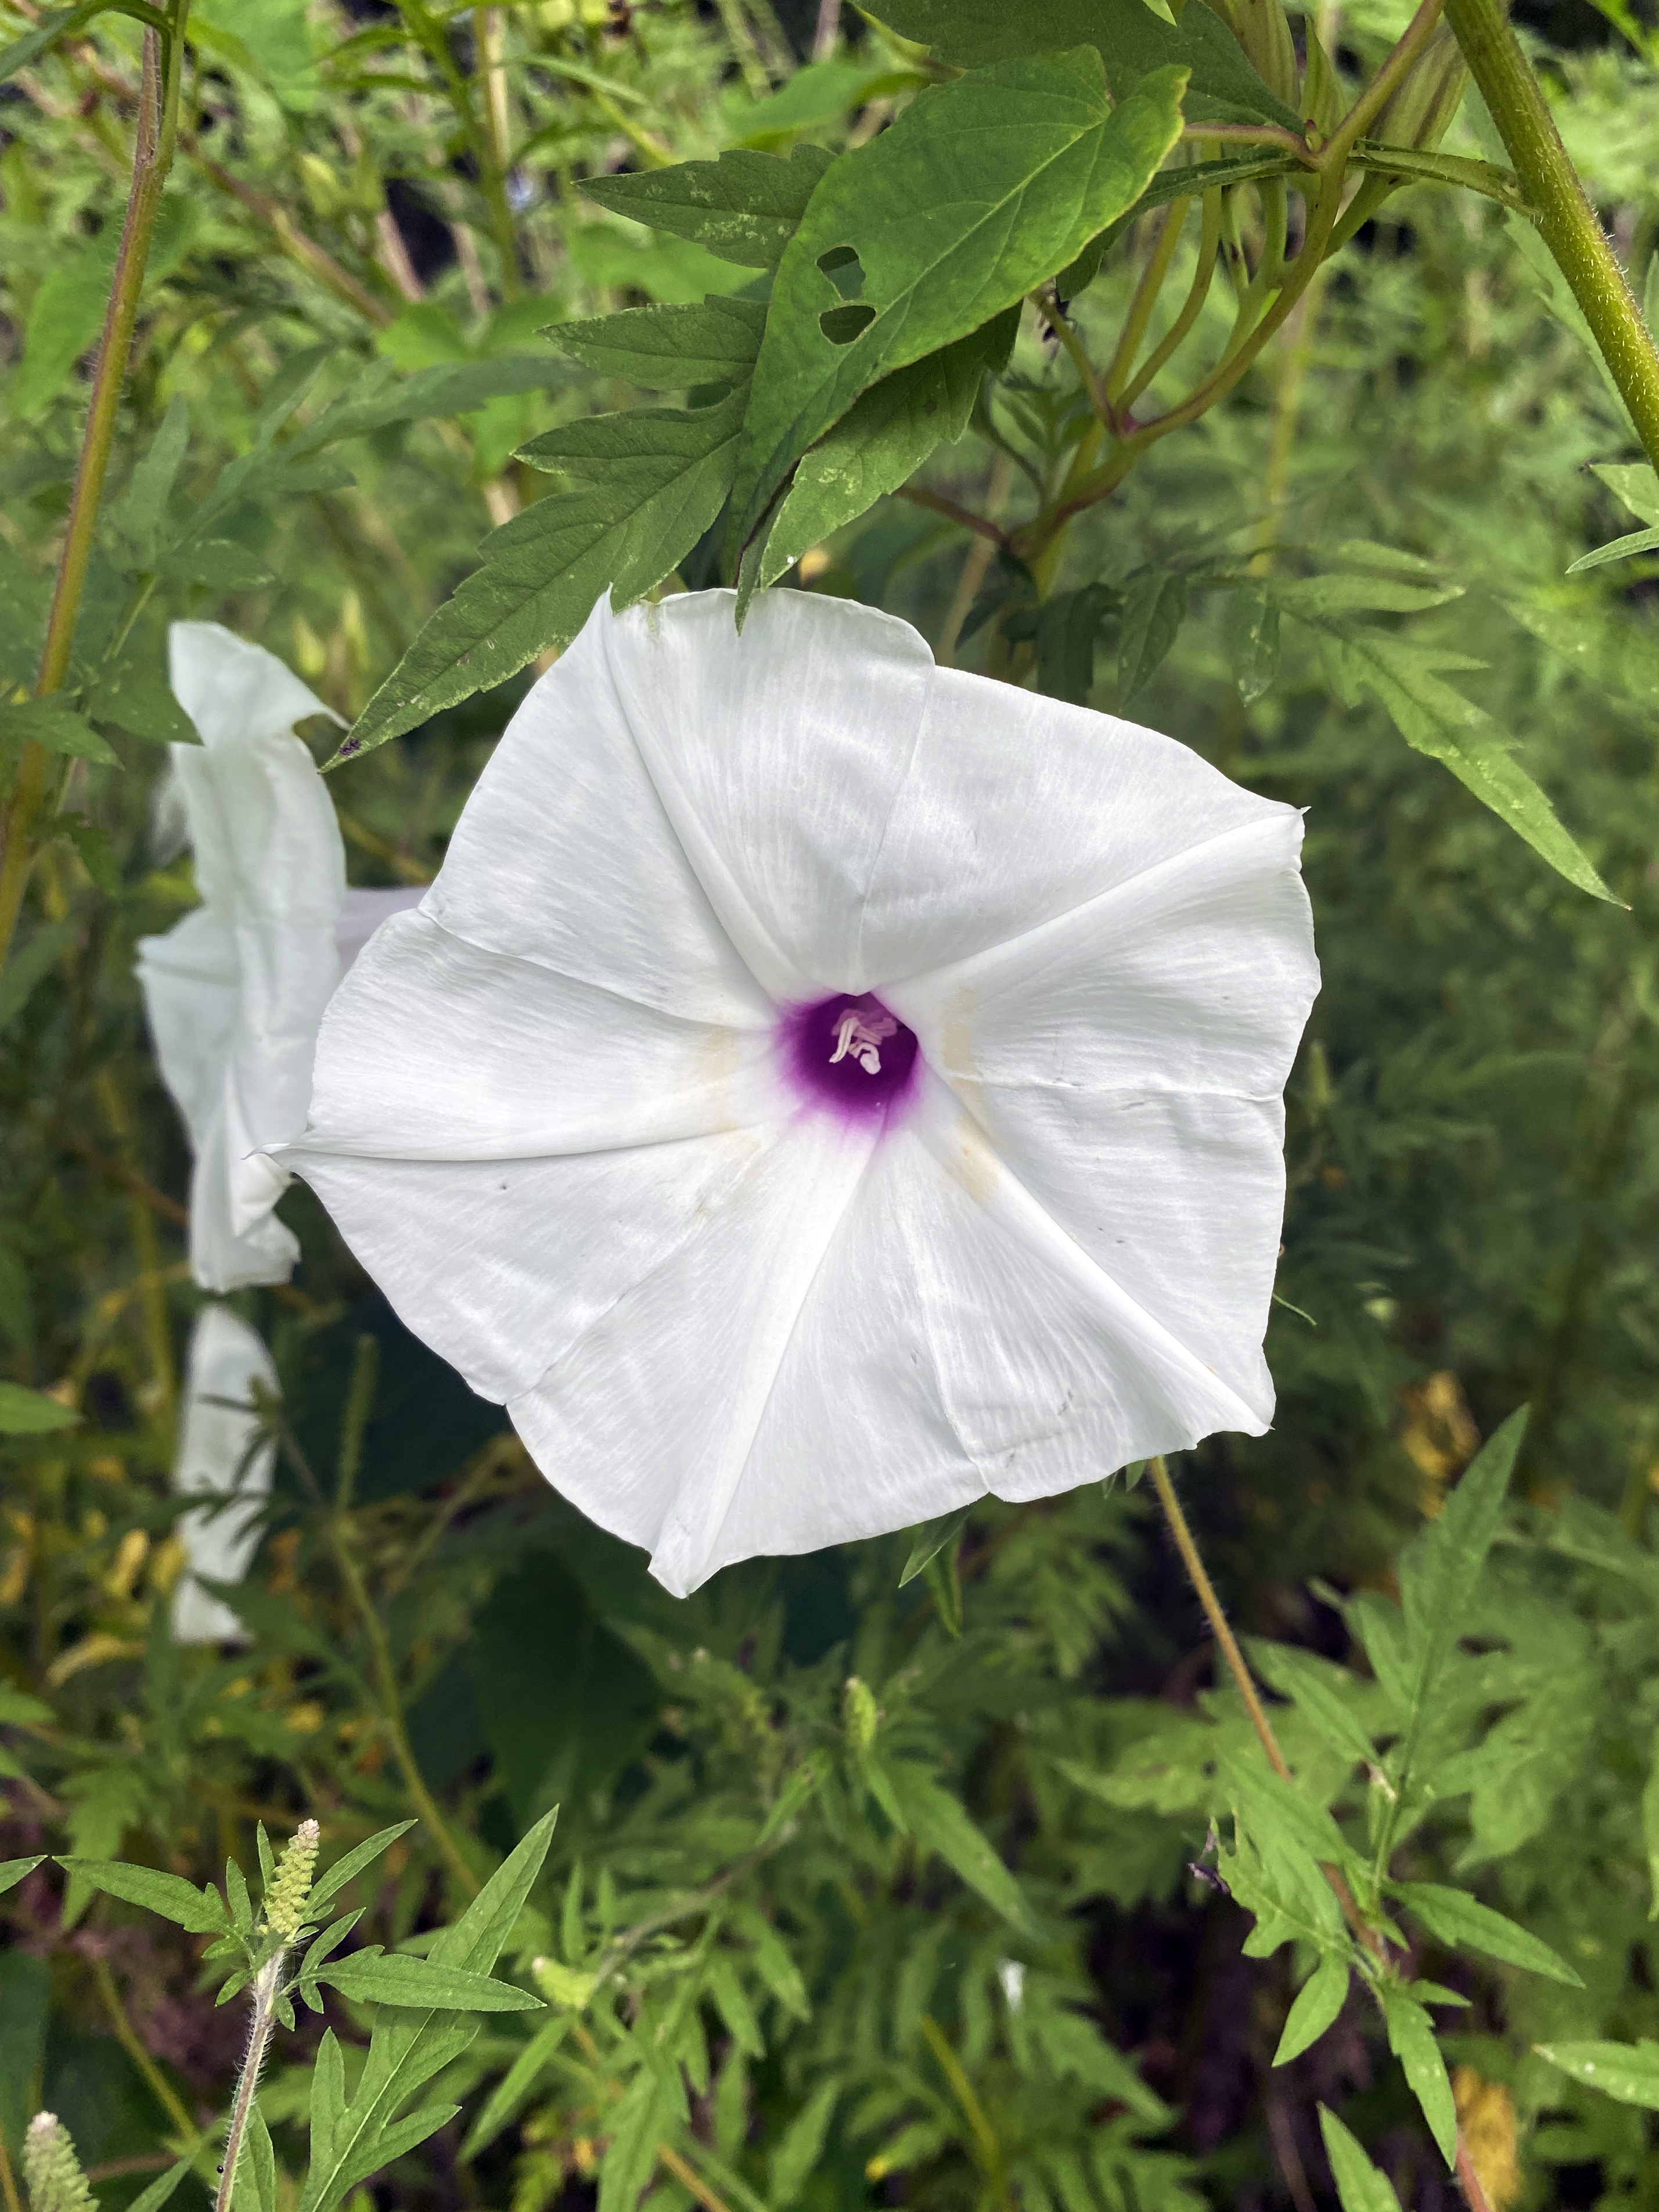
(841, 326)
(842, 265)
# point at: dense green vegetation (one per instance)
(976, 1889)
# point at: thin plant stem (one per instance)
(937, 503)
(155, 136)
(1469, 2180)
(746, 48)
(1287, 409)
(1152, 278)
(1209, 244)
(266, 1983)
(133, 2044)
(1566, 220)
(976, 563)
(689, 2179)
(8, 2183)
(1055, 315)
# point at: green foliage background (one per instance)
(841, 1908)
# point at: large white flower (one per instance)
(222, 1455)
(821, 1088)
(235, 991)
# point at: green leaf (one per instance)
(1154, 608)
(661, 477)
(12, 1871)
(1617, 549)
(136, 696)
(1435, 719)
(1634, 482)
(975, 34)
(329, 1885)
(1318, 2002)
(1067, 632)
(1313, 1686)
(395, 1979)
(1628, 2072)
(28, 1413)
(27, 969)
(407, 2050)
(202, 1911)
(670, 348)
(800, 2147)
(940, 1824)
(219, 562)
(744, 207)
(930, 1538)
(161, 2189)
(505, 2101)
(256, 2170)
(54, 24)
(1455, 1917)
(96, 853)
(1017, 169)
(1360, 2186)
(1411, 2038)
(142, 508)
(49, 723)
(877, 445)
(636, 2126)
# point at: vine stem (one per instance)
(266, 1984)
(154, 139)
(1565, 219)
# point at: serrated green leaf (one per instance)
(744, 207)
(1067, 633)
(328, 1885)
(732, 2003)
(1019, 167)
(1435, 719)
(940, 1824)
(670, 348)
(1456, 1918)
(1615, 652)
(1342, 592)
(1307, 1681)
(136, 696)
(1154, 608)
(255, 2187)
(1360, 2186)
(637, 2124)
(1411, 2038)
(139, 513)
(202, 1911)
(49, 723)
(662, 477)
(219, 562)
(1318, 2002)
(1627, 2072)
(977, 33)
(878, 445)
(394, 1979)
(800, 2147)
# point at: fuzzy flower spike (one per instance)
(822, 1087)
(235, 991)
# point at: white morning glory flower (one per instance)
(235, 991)
(821, 1088)
(221, 1454)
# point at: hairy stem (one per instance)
(152, 158)
(266, 1983)
(1564, 217)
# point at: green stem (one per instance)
(1564, 217)
(154, 137)
(1146, 299)
(266, 1984)
(1203, 276)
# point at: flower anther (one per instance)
(821, 1088)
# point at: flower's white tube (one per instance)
(220, 1455)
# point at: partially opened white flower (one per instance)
(220, 1454)
(235, 991)
(821, 1088)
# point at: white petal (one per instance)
(363, 914)
(263, 827)
(500, 1265)
(564, 856)
(189, 979)
(436, 1048)
(217, 1454)
(231, 688)
(1018, 808)
(779, 755)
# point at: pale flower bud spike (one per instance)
(822, 1087)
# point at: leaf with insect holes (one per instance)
(977, 193)
(744, 207)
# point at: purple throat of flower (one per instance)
(849, 1055)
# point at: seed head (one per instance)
(859, 1713)
(285, 1900)
(53, 2171)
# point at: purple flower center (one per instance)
(849, 1054)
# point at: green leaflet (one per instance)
(49, 723)
(1617, 548)
(978, 34)
(1435, 719)
(930, 1538)
(799, 2150)
(1411, 2038)
(1319, 1690)
(1317, 2004)
(393, 1979)
(202, 1911)
(744, 207)
(1457, 1918)
(1154, 608)
(878, 445)
(660, 477)
(1361, 2186)
(1628, 2072)
(980, 191)
(1614, 652)
(670, 348)
(940, 1824)
(22, 1411)
(138, 514)
(12, 1871)
(1635, 482)
(329, 1885)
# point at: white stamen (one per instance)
(862, 1039)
